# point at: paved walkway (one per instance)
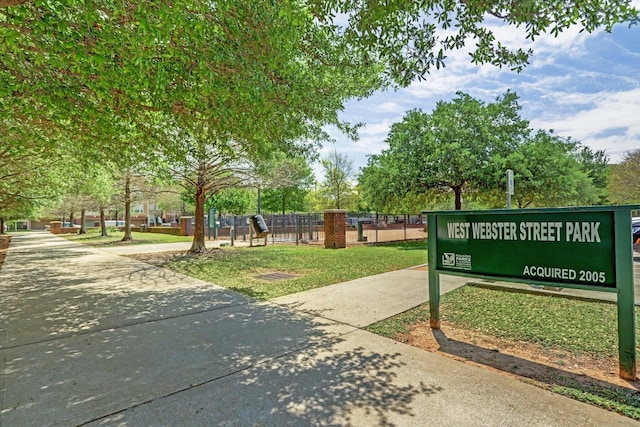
(89, 337)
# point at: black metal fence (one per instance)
(379, 227)
(308, 228)
(288, 228)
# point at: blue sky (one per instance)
(586, 86)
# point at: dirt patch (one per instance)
(519, 360)
(4, 247)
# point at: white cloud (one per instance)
(608, 110)
(389, 107)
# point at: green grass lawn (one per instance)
(93, 238)
(314, 266)
(558, 324)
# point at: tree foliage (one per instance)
(337, 189)
(464, 148)
(239, 66)
(259, 75)
(413, 37)
(455, 148)
(237, 201)
(553, 171)
(31, 176)
(285, 182)
(624, 181)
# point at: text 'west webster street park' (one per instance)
(581, 232)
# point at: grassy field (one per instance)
(558, 324)
(239, 268)
(94, 238)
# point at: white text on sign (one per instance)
(533, 231)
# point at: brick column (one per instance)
(335, 229)
(56, 227)
(185, 225)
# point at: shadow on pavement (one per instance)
(324, 384)
(96, 337)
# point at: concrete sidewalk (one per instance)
(92, 338)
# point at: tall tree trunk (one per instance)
(103, 224)
(1, 225)
(83, 229)
(70, 220)
(127, 209)
(198, 245)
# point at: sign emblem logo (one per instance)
(448, 259)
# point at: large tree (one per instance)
(456, 148)
(205, 163)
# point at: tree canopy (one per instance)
(465, 146)
(239, 78)
(413, 37)
(454, 148)
(285, 182)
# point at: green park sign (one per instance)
(555, 247)
(586, 248)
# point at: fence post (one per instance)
(273, 230)
(405, 218)
(244, 228)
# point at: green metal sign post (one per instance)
(585, 248)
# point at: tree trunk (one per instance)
(458, 192)
(127, 209)
(198, 245)
(70, 220)
(83, 229)
(103, 224)
(1, 225)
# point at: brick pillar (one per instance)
(56, 227)
(335, 229)
(185, 225)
